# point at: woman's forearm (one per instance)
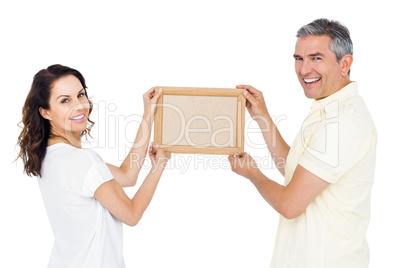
(134, 160)
(129, 211)
(144, 195)
(127, 173)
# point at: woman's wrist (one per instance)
(146, 115)
(158, 168)
(148, 119)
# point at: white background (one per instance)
(205, 216)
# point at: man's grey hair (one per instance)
(341, 43)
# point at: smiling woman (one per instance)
(69, 109)
(82, 194)
(36, 114)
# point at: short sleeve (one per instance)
(335, 147)
(86, 172)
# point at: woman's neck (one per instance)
(68, 138)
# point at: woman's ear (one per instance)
(346, 63)
(44, 113)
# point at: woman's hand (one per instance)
(150, 99)
(159, 157)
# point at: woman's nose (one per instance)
(79, 106)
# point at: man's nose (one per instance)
(305, 68)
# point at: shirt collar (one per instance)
(341, 95)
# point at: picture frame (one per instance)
(194, 120)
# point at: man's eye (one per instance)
(298, 58)
(316, 58)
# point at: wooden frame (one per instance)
(218, 113)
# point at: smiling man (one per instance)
(325, 200)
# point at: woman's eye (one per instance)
(81, 95)
(64, 101)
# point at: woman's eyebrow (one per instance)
(69, 95)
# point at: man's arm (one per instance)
(257, 109)
(291, 200)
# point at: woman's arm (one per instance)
(129, 211)
(126, 175)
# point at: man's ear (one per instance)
(44, 113)
(346, 63)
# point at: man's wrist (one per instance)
(264, 121)
(255, 175)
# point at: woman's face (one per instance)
(69, 107)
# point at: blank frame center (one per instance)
(199, 121)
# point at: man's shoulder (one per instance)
(353, 112)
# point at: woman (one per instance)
(83, 195)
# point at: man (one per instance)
(325, 200)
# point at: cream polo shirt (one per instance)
(336, 142)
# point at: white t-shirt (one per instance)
(337, 143)
(86, 234)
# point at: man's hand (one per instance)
(255, 103)
(244, 165)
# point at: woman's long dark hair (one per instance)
(36, 129)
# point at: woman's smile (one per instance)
(78, 118)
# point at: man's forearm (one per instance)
(277, 146)
(270, 190)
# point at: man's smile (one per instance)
(311, 80)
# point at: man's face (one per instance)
(319, 73)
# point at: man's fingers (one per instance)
(231, 159)
(249, 97)
(251, 89)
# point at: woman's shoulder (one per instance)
(70, 154)
(79, 169)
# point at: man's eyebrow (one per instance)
(316, 54)
(69, 95)
(310, 55)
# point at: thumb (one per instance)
(249, 97)
(158, 93)
(156, 147)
